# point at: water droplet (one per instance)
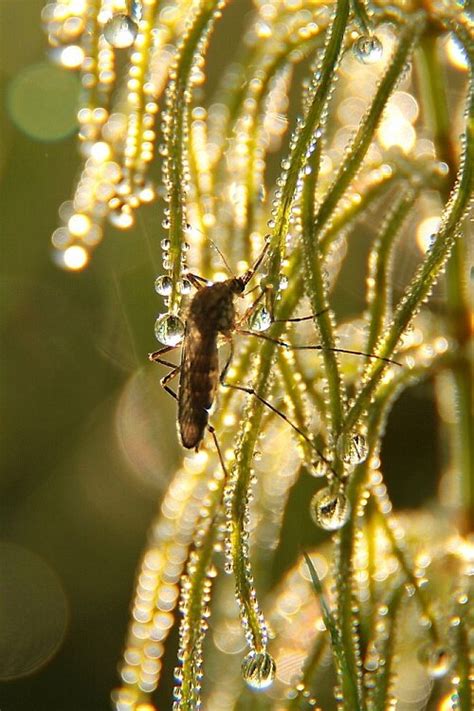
(283, 283)
(437, 660)
(169, 329)
(185, 287)
(120, 31)
(368, 49)
(136, 10)
(352, 448)
(330, 510)
(163, 285)
(260, 319)
(258, 670)
(165, 244)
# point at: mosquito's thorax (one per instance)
(212, 308)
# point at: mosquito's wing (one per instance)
(198, 384)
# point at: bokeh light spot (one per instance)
(74, 258)
(41, 102)
(33, 609)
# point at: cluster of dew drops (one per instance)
(329, 508)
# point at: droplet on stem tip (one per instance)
(120, 31)
(258, 670)
(169, 329)
(330, 510)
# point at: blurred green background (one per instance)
(88, 438)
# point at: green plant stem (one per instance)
(380, 695)
(346, 671)
(463, 650)
(298, 157)
(178, 102)
(312, 662)
(401, 556)
(239, 487)
(459, 308)
(317, 290)
(360, 13)
(193, 623)
(380, 262)
(346, 215)
(347, 611)
(364, 135)
(426, 275)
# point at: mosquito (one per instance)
(211, 314)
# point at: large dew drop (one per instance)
(163, 285)
(330, 510)
(436, 659)
(169, 329)
(368, 49)
(120, 31)
(352, 448)
(260, 319)
(258, 670)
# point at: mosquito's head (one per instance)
(238, 284)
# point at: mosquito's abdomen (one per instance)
(198, 385)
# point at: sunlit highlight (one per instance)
(75, 258)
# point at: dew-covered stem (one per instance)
(304, 137)
(458, 302)
(344, 668)
(317, 290)
(195, 598)
(428, 272)
(238, 491)
(384, 646)
(176, 132)
(380, 266)
(361, 142)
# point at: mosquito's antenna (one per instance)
(249, 274)
(226, 264)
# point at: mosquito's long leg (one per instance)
(219, 451)
(284, 344)
(197, 281)
(155, 357)
(252, 391)
(311, 317)
(166, 379)
(227, 363)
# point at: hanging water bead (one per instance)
(184, 287)
(260, 319)
(330, 510)
(120, 31)
(352, 448)
(258, 670)
(436, 659)
(169, 329)
(163, 285)
(368, 49)
(136, 10)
